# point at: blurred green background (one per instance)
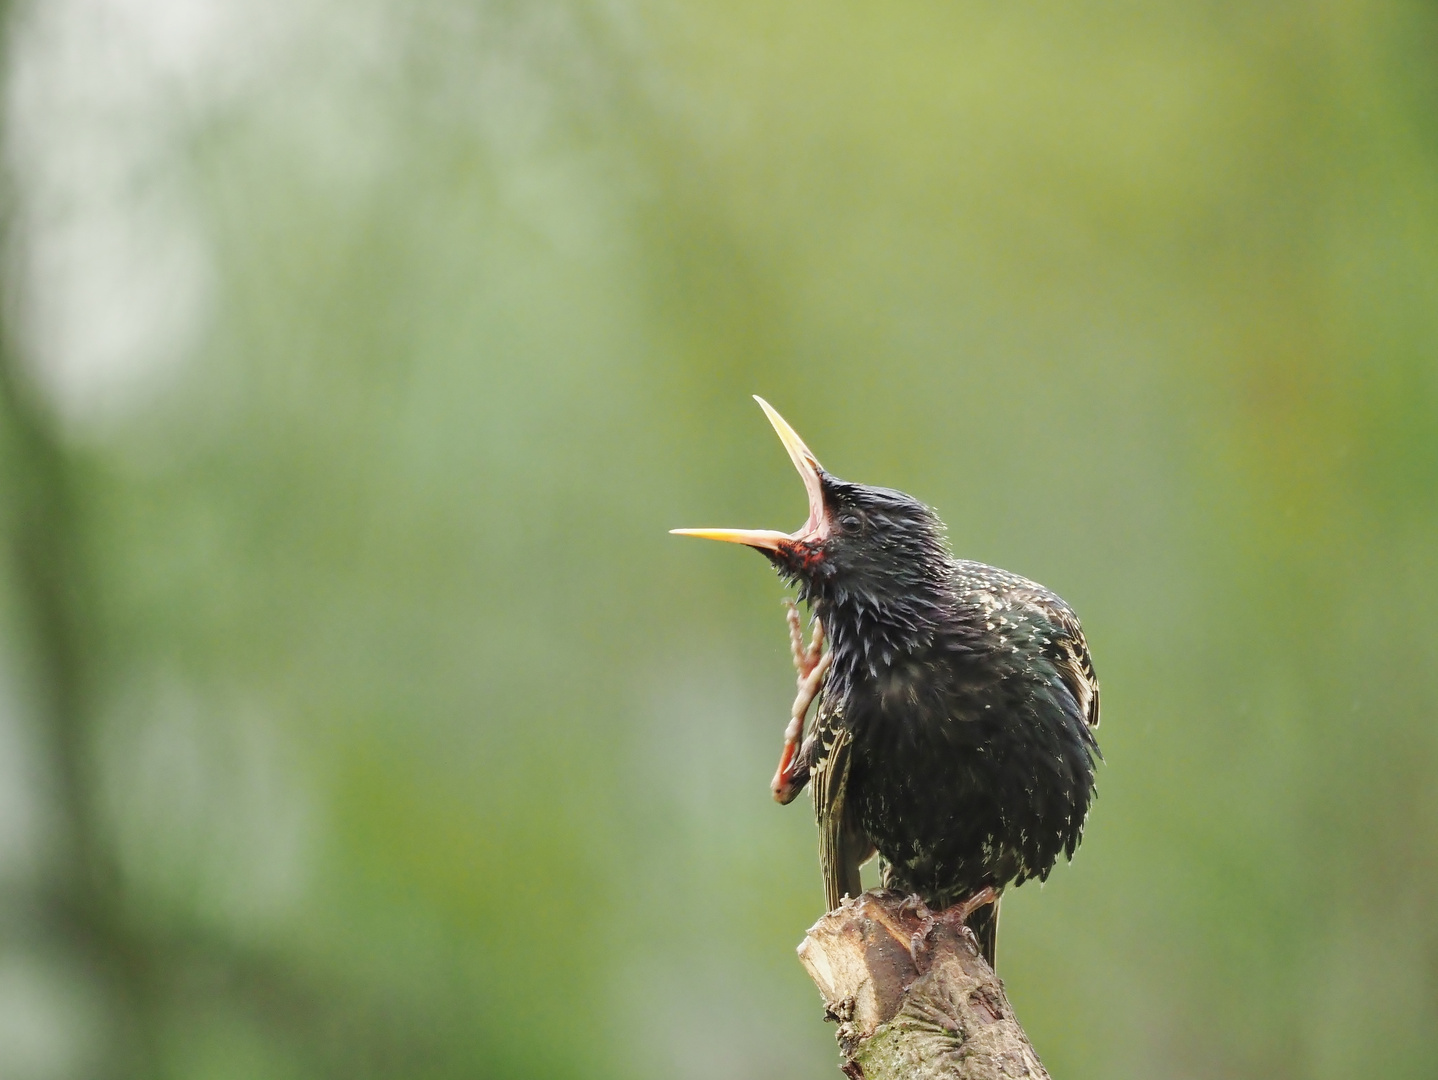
(358, 717)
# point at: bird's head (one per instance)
(870, 547)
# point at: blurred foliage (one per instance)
(361, 719)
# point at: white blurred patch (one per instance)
(117, 281)
(50, 1020)
(115, 274)
(212, 817)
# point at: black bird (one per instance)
(954, 732)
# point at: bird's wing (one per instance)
(1068, 650)
(995, 591)
(1076, 666)
(842, 846)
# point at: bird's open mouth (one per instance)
(811, 472)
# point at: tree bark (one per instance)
(912, 997)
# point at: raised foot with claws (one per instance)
(812, 664)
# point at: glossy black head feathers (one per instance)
(877, 572)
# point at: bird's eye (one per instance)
(850, 521)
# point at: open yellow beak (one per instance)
(809, 469)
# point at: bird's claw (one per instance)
(913, 904)
(971, 939)
(916, 946)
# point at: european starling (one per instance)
(957, 702)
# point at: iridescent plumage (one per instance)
(954, 731)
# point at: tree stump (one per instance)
(912, 997)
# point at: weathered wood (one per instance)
(913, 998)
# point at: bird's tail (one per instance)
(985, 925)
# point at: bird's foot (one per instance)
(914, 905)
(970, 904)
(812, 664)
(956, 916)
(793, 772)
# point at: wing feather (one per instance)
(1069, 652)
(842, 845)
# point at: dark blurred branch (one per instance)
(147, 971)
(77, 898)
(78, 901)
(913, 999)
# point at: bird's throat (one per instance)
(869, 634)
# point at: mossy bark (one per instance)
(913, 998)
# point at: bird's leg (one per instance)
(784, 785)
(966, 907)
(812, 664)
(796, 634)
(805, 656)
(957, 915)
